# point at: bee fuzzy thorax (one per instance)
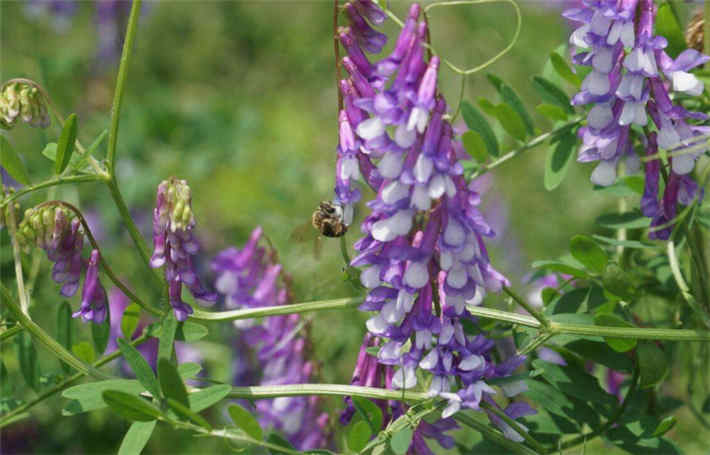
(328, 219)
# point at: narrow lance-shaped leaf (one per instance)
(143, 371)
(244, 420)
(130, 406)
(136, 438)
(100, 332)
(563, 70)
(11, 161)
(167, 336)
(558, 161)
(511, 121)
(129, 320)
(510, 97)
(65, 144)
(171, 383)
(27, 355)
(478, 123)
(185, 412)
(552, 93)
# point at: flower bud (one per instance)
(24, 100)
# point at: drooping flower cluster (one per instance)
(422, 255)
(175, 246)
(60, 234)
(250, 278)
(630, 81)
(24, 101)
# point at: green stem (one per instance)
(225, 433)
(305, 307)
(13, 415)
(493, 435)
(133, 231)
(47, 183)
(539, 340)
(104, 264)
(44, 338)
(609, 423)
(524, 148)
(9, 333)
(295, 390)
(529, 308)
(558, 328)
(121, 84)
(515, 426)
(21, 291)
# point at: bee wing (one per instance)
(303, 233)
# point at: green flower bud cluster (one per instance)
(46, 227)
(175, 205)
(25, 101)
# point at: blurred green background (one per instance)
(239, 98)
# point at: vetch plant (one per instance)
(453, 358)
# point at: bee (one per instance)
(328, 219)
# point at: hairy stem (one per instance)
(529, 308)
(515, 426)
(305, 307)
(683, 286)
(17, 257)
(295, 390)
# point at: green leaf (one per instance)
(143, 371)
(171, 383)
(188, 369)
(563, 70)
(627, 220)
(625, 243)
(558, 161)
(667, 26)
(561, 267)
(129, 320)
(370, 412)
(574, 381)
(552, 93)
(358, 435)
(65, 144)
(511, 121)
(84, 351)
(167, 336)
(474, 145)
(247, 422)
(11, 161)
(488, 107)
(130, 406)
(617, 344)
(100, 333)
(87, 397)
(401, 440)
(617, 281)
(510, 97)
(478, 123)
(136, 438)
(277, 439)
(27, 355)
(585, 250)
(653, 364)
(189, 331)
(185, 412)
(706, 405)
(665, 425)
(602, 354)
(64, 329)
(552, 112)
(206, 397)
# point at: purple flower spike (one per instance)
(93, 296)
(249, 278)
(629, 85)
(175, 246)
(422, 257)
